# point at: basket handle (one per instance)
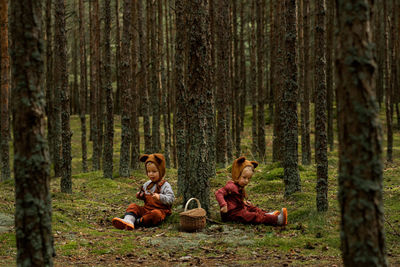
(198, 203)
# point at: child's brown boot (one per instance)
(122, 224)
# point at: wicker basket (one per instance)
(194, 219)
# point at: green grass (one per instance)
(83, 233)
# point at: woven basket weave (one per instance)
(194, 219)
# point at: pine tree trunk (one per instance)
(167, 94)
(31, 164)
(109, 136)
(125, 89)
(222, 76)
(380, 41)
(236, 121)
(272, 58)
(278, 141)
(117, 102)
(329, 69)
(135, 147)
(83, 83)
(290, 163)
(61, 77)
(198, 175)
(389, 130)
(58, 164)
(180, 115)
(155, 92)
(101, 103)
(253, 79)
(49, 81)
(144, 46)
(4, 93)
(94, 84)
(243, 72)
(260, 85)
(360, 178)
(321, 149)
(305, 104)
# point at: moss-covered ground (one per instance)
(84, 236)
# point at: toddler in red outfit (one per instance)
(156, 193)
(231, 198)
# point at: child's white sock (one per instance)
(130, 218)
(282, 218)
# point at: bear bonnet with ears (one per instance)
(239, 164)
(157, 159)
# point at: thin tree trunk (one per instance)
(360, 177)
(321, 149)
(167, 94)
(58, 163)
(243, 72)
(126, 72)
(253, 79)
(109, 136)
(4, 93)
(83, 83)
(260, 85)
(290, 163)
(236, 120)
(180, 115)
(31, 164)
(49, 81)
(94, 84)
(278, 141)
(135, 147)
(389, 152)
(155, 92)
(305, 104)
(61, 77)
(117, 106)
(329, 69)
(144, 45)
(222, 31)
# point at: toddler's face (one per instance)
(245, 177)
(152, 172)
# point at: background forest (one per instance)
(309, 89)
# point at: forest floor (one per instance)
(84, 236)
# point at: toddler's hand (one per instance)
(224, 209)
(156, 196)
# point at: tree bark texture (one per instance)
(321, 150)
(109, 136)
(49, 80)
(360, 177)
(125, 89)
(290, 162)
(305, 101)
(83, 83)
(61, 77)
(31, 161)
(181, 107)
(199, 102)
(222, 76)
(260, 85)
(4, 93)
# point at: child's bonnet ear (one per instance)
(240, 160)
(144, 157)
(158, 158)
(255, 164)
